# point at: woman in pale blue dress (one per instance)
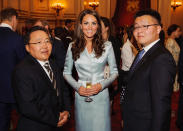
(90, 54)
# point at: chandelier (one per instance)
(94, 4)
(57, 6)
(176, 3)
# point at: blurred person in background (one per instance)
(107, 35)
(173, 32)
(12, 52)
(128, 53)
(68, 29)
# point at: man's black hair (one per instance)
(150, 12)
(67, 21)
(33, 29)
(172, 28)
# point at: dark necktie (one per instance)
(51, 75)
(139, 57)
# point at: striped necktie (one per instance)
(51, 75)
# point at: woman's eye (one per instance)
(94, 23)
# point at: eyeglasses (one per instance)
(47, 41)
(143, 27)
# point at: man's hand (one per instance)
(63, 118)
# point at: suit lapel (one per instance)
(144, 59)
(41, 71)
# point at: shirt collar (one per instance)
(5, 25)
(150, 45)
(57, 38)
(66, 28)
(42, 62)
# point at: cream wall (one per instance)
(107, 8)
(104, 8)
(177, 16)
(32, 9)
(164, 8)
(113, 7)
(168, 15)
(1, 5)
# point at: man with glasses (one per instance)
(11, 52)
(40, 92)
(58, 49)
(147, 105)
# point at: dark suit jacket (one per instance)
(117, 52)
(69, 33)
(68, 37)
(180, 66)
(58, 53)
(38, 104)
(11, 52)
(116, 47)
(147, 105)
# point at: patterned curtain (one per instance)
(125, 10)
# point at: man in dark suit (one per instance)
(42, 98)
(11, 52)
(68, 29)
(58, 49)
(147, 105)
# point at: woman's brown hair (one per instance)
(79, 43)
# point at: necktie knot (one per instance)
(141, 54)
(47, 66)
(139, 57)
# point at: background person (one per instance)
(12, 52)
(174, 32)
(107, 35)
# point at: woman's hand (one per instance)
(82, 91)
(95, 89)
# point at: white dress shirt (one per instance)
(6, 25)
(42, 64)
(146, 48)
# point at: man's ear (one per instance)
(13, 18)
(13, 22)
(47, 27)
(159, 29)
(27, 47)
(107, 28)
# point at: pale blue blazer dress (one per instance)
(93, 116)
